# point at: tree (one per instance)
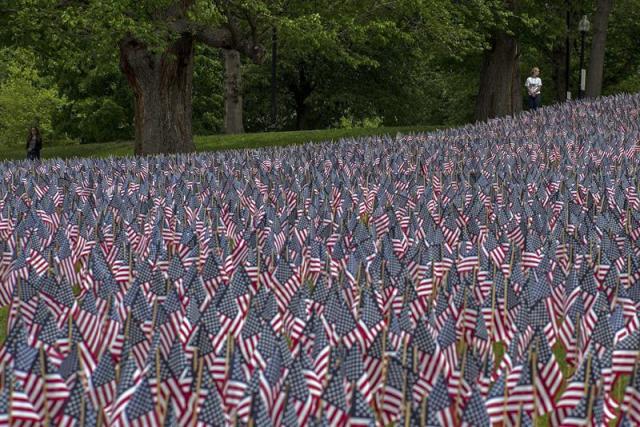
(622, 58)
(360, 59)
(233, 108)
(343, 63)
(598, 45)
(543, 42)
(162, 82)
(26, 97)
(208, 84)
(154, 41)
(499, 92)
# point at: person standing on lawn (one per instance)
(34, 144)
(534, 85)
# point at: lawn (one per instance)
(213, 142)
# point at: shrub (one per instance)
(103, 120)
(26, 98)
(365, 123)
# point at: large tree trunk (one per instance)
(301, 112)
(598, 44)
(232, 92)
(499, 93)
(559, 71)
(302, 90)
(162, 85)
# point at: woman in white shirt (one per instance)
(534, 85)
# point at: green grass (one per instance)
(561, 356)
(4, 317)
(498, 349)
(212, 142)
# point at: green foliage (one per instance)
(622, 57)
(102, 119)
(339, 63)
(26, 98)
(631, 84)
(363, 59)
(207, 92)
(366, 123)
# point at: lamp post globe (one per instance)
(584, 25)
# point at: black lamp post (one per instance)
(583, 26)
(567, 53)
(274, 82)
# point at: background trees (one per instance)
(159, 70)
(27, 98)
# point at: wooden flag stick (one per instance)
(504, 300)
(464, 313)
(587, 374)
(504, 401)
(493, 309)
(407, 416)
(577, 352)
(591, 394)
(130, 266)
(432, 296)
(198, 388)
(19, 299)
(83, 378)
(519, 418)
(404, 386)
(11, 385)
(158, 385)
(126, 337)
(99, 416)
(50, 269)
(70, 319)
(534, 368)
(154, 313)
(384, 367)
(464, 362)
(165, 407)
(82, 409)
(44, 388)
(229, 352)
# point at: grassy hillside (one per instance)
(211, 142)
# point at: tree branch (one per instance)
(219, 38)
(66, 3)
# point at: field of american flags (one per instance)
(485, 275)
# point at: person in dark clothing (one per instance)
(34, 144)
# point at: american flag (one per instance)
(483, 275)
